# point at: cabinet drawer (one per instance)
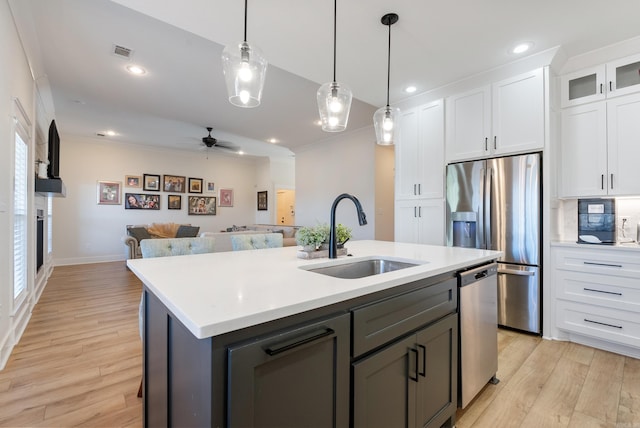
(604, 323)
(610, 263)
(610, 291)
(381, 322)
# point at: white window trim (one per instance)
(21, 126)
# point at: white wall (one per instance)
(15, 82)
(85, 232)
(342, 164)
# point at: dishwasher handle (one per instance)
(476, 274)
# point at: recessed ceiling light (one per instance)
(410, 89)
(137, 70)
(521, 48)
(272, 140)
(240, 152)
(111, 133)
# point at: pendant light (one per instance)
(385, 119)
(334, 99)
(244, 69)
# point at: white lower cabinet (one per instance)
(420, 221)
(598, 296)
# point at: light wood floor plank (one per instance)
(79, 364)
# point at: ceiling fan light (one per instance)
(334, 104)
(245, 68)
(385, 122)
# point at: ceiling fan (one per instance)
(212, 142)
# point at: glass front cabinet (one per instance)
(608, 80)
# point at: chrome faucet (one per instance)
(362, 219)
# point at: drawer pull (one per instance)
(603, 323)
(288, 346)
(602, 291)
(415, 353)
(602, 264)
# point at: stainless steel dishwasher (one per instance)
(478, 288)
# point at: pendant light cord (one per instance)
(245, 21)
(335, 14)
(389, 65)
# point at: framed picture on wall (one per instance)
(226, 197)
(173, 183)
(141, 201)
(211, 187)
(195, 185)
(202, 205)
(174, 202)
(109, 192)
(133, 180)
(151, 182)
(262, 201)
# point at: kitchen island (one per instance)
(242, 338)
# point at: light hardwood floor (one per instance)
(79, 364)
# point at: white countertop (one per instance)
(217, 293)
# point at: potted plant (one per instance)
(343, 234)
(310, 237)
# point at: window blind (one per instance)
(20, 210)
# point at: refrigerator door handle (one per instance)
(516, 272)
(487, 207)
(480, 232)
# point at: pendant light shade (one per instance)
(334, 99)
(386, 120)
(245, 69)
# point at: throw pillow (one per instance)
(139, 233)
(187, 231)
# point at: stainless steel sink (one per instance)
(362, 268)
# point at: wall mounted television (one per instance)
(53, 170)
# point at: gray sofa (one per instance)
(223, 239)
(136, 233)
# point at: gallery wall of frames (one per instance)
(159, 191)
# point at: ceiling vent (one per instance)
(121, 51)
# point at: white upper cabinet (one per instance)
(623, 145)
(583, 163)
(600, 148)
(420, 153)
(620, 77)
(503, 118)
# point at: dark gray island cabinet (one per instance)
(385, 359)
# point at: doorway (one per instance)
(286, 207)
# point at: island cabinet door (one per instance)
(384, 387)
(437, 394)
(299, 378)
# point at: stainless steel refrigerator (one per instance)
(495, 204)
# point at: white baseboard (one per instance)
(88, 260)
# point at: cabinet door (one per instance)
(431, 150)
(623, 76)
(583, 163)
(406, 222)
(468, 124)
(297, 378)
(407, 156)
(431, 222)
(623, 127)
(419, 221)
(384, 387)
(583, 86)
(518, 113)
(437, 393)
(420, 154)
